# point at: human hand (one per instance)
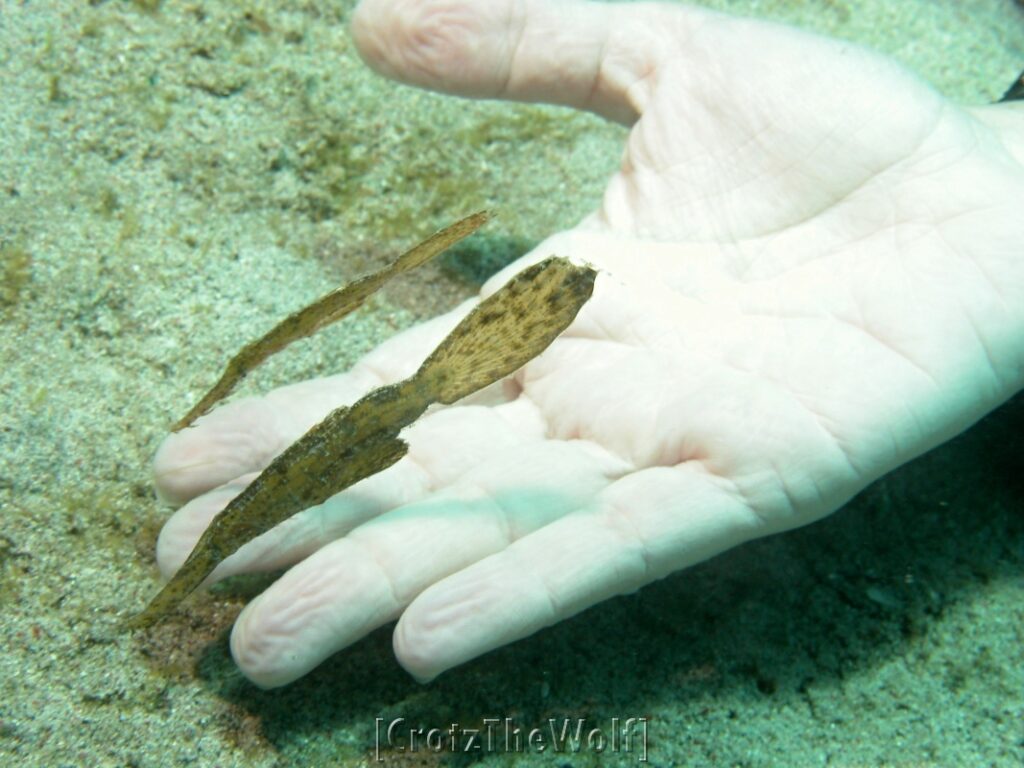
(811, 272)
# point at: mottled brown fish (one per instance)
(326, 310)
(500, 335)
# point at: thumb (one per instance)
(599, 57)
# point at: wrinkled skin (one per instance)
(812, 271)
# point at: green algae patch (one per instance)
(13, 569)
(500, 335)
(15, 273)
(525, 125)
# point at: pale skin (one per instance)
(812, 271)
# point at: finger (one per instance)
(244, 436)
(295, 538)
(640, 529)
(599, 57)
(181, 532)
(358, 583)
(442, 446)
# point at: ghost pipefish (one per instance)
(326, 310)
(501, 334)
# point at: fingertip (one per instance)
(256, 648)
(173, 478)
(182, 530)
(459, 619)
(375, 27)
(236, 438)
(177, 538)
(367, 22)
(320, 606)
(524, 50)
(422, 642)
(281, 635)
(416, 645)
(448, 45)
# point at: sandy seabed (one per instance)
(176, 176)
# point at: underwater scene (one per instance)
(473, 382)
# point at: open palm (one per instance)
(810, 272)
